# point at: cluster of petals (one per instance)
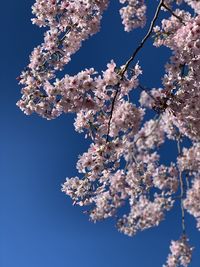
(83, 93)
(189, 161)
(70, 23)
(182, 73)
(133, 14)
(191, 203)
(195, 4)
(181, 253)
(144, 214)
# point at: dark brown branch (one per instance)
(122, 72)
(112, 108)
(173, 14)
(144, 39)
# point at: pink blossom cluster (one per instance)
(181, 253)
(144, 214)
(182, 73)
(123, 165)
(85, 93)
(191, 203)
(70, 23)
(189, 162)
(195, 4)
(134, 14)
(190, 159)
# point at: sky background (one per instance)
(39, 227)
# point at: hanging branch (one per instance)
(181, 188)
(144, 39)
(172, 13)
(122, 72)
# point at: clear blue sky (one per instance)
(39, 227)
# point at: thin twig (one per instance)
(111, 114)
(131, 59)
(173, 14)
(144, 39)
(182, 189)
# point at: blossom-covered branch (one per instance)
(123, 165)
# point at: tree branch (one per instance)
(181, 188)
(173, 14)
(132, 58)
(144, 39)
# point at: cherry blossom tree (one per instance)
(122, 165)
